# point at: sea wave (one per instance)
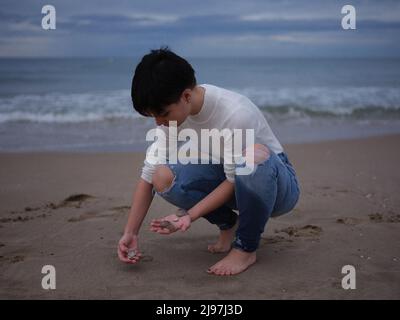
(64, 108)
(364, 102)
(282, 103)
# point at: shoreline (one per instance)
(128, 136)
(142, 152)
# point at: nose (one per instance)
(161, 121)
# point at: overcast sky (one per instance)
(288, 28)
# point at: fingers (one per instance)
(123, 247)
(135, 259)
(122, 256)
(156, 227)
(157, 223)
(164, 231)
(164, 226)
(161, 230)
(123, 251)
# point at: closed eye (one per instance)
(165, 114)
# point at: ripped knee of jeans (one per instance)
(253, 155)
(163, 178)
(256, 153)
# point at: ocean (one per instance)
(83, 104)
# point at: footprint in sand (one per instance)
(123, 209)
(84, 216)
(31, 209)
(95, 214)
(373, 217)
(21, 218)
(275, 239)
(89, 215)
(378, 217)
(349, 221)
(14, 259)
(75, 200)
(393, 218)
(325, 187)
(306, 231)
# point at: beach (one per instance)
(68, 210)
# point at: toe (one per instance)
(233, 272)
(220, 271)
(212, 269)
(227, 272)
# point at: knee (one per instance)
(256, 153)
(162, 178)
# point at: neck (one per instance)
(197, 100)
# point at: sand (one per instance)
(68, 210)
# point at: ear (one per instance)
(187, 95)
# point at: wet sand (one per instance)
(68, 210)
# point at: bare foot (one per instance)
(235, 262)
(224, 241)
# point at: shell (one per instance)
(168, 225)
(131, 254)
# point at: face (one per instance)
(176, 111)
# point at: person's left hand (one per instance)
(175, 223)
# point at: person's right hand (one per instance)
(127, 242)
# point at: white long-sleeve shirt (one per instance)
(222, 109)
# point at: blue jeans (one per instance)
(270, 190)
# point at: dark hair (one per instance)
(159, 80)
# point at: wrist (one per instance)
(185, 213)
(131, 232)
(192, 215)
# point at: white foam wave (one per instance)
(336, 101)
(293, 103)
(74, 107)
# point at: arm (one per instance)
(141, 201)
(223, 192)
(143, 196)
(212, 201)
